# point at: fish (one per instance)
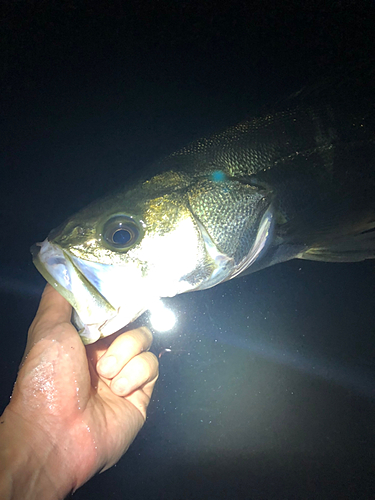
(294, 181)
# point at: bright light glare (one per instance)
(162, 319)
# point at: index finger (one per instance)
(122, 350)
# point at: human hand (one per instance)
(77, 417)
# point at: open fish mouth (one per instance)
(92, 310)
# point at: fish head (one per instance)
(116, 257)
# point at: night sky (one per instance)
(268, 392)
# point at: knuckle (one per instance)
(146, 334)
(147, 364)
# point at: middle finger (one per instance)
(122, 350)
(136, 374)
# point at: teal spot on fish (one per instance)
(218, 176)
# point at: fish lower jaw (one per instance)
(90, 333)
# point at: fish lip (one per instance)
(125, 315)
(41, 265)
(35, 249)
(56, 266)
(61, 271)
(57, 256)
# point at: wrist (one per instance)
(29, 462)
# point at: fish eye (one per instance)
(121, 232)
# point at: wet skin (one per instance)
(74, 410)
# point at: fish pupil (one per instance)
(121, 236)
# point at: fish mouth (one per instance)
(92, 309)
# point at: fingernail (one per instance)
(120, 386)
(106, 365)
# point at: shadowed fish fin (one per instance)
(326, 223)
(354, 249)
(274, 255)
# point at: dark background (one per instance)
(269, 390)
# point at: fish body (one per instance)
(294, 182)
